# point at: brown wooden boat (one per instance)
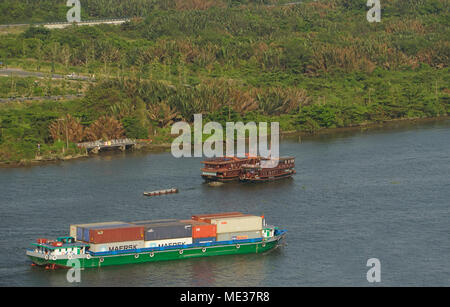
(263, 170)
(225, 169)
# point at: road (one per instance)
(21, 99)
(22, 73)
(59, 25)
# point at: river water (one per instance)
(381, 193)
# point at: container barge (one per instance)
(116, 243)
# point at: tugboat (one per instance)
(268, 170)
(115, 243)
(225, 169)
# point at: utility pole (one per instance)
(12, 84)
(436, 91)
(67, 137)
(67, 133)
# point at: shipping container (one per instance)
(192, 222)
(237, 224)
(116, 233)
(73, 228)
(201, 229)
(116, 246)
(84, 233)
(169, 230)
(153, 221)
(245, 235)
(201, 217)
(168, 242)
(204, 240)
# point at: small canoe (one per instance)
(161, 192)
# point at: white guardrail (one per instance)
(119, 142)
(125, 19)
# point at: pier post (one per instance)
(95, 150)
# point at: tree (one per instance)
(105, 128)
(65, 55)
(163, 114)
(66, 128)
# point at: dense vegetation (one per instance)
(37, 11)
(310, 66)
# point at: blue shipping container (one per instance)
(171, 230)
(86, 234)
(79, 233)
(204, 240)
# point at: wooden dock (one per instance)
(161, 192)
(95, 147)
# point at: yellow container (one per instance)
(238, 223)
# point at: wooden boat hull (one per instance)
(268, 178)
(208, 178)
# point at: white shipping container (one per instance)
(117, 246)
(238, 224)
(73, 228)
(244, 235)
(168, 242)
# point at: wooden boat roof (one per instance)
(225, 160)
(279, 159)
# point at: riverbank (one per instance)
(39, 160)
(367, 126)
(163, 147)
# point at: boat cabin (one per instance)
(268, 169)
(62, 246)
(226, 168)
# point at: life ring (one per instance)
(102, 259)
(238, 246)
(136, 256)
(88, 256)
(54, 257)
(204, 249)
(46, 257)
(70, 256)
(181, 252)
(263, 245)
(152, 254)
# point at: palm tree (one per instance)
(66, 128)
(163, 114)
(105, 128)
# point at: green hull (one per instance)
(172, 254)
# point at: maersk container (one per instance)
(116, 233)
(116, 246)
(245, 235)
(237, 224)
(74, 228)
(201, 229)
(170, 230)
(202, 217)
(204, 240)
(168, 242)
